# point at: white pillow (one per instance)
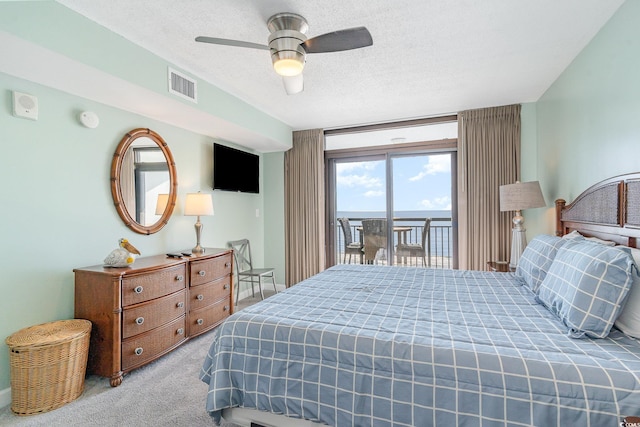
(575, 234)
(629, 320)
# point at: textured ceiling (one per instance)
(429, 57)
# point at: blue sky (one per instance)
(419, 183)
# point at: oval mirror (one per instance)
(144, 181)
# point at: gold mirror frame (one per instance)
(116, 188)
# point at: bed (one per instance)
(375, 345)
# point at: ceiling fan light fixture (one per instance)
(293, 84)
(287, 54)
(289, 45)
(288, 67)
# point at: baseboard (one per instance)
(247, 292)
(5, 397)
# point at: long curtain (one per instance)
(488, 157)
(304, 206)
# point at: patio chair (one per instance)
(245, 270)
(350, 246)
(418, 250)
(375, 239)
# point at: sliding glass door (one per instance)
(360, 195)
(392, 208)
(422, 209)
(393, 188)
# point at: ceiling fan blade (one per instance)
(227, 42)
(351, 38)
(293, 84)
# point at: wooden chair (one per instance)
(350, 246)
(418, 250)
(246, 272)
(375, 239)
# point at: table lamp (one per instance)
(198, 204)
(517, 197)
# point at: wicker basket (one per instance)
(48, 365)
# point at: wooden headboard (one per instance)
(609, 210)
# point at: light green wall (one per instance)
(62, 30)
(57, 212)
(529, 168)
(588, 121)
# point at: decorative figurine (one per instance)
(122, 256)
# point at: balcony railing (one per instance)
(440, 236)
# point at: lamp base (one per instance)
(518, 243)
(518, 240)
(198, 249)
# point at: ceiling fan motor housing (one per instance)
(287, 35)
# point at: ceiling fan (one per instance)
(289, 45)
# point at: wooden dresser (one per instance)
(142, 312)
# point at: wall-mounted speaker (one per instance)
(25, 106)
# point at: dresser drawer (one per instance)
(143, 348)
(210, 269)
(147, 286)
(151, 314)
(207, 317)
(204, 295)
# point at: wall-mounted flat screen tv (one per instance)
(235, 170)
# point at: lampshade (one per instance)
(520, 196)
(161, 204)
(198, 204)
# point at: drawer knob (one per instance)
(179, 277)
(200, 297)
(202, 273)
(138, 289)
(140, 320)
(138, 351)
(227, 264)
(225, 308)
(180, 331)
(180, 304)
(226, 286)
(199, 321)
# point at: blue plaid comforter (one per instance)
(395, 346)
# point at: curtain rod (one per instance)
(393, 125)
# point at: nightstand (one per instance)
(500, 266)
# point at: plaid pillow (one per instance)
(629, 319)
(537, 258)
(586, 287)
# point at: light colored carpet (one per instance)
(167, 392)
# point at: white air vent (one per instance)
(183, 86)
